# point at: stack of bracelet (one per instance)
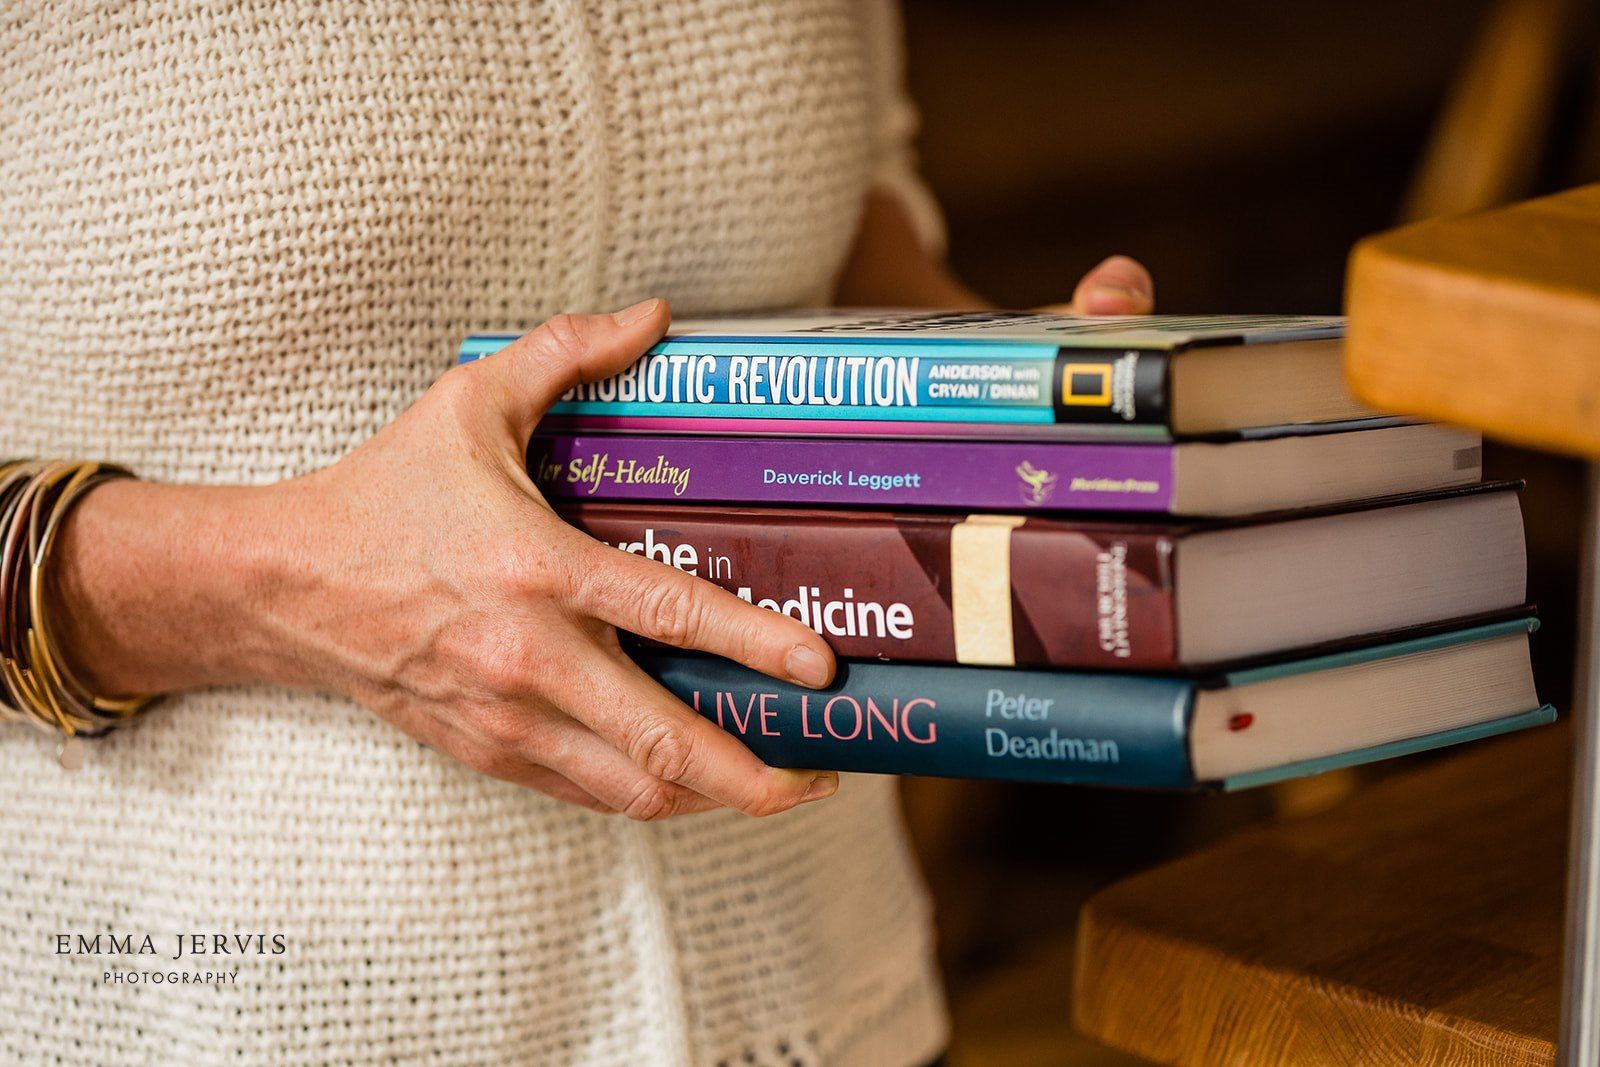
(36, 685)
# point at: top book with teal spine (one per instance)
(960, 374)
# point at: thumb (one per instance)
(568, 350)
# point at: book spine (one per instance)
(757, 381)
(952, 722)
(878, 473)
(937, 589)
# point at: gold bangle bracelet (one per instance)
(36, 683)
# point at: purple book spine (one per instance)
(876, 473)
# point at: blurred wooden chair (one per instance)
(1420, 921)
(1486, 150)
(1488, 143)
(1158, 973)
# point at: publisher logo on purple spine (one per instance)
(1036, 484)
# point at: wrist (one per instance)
(152, 584)
(889, 266)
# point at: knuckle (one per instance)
(448, 404)
(499, 673)
(652, 800)
(563, 340)
(757, 634)
(487, 761)
(506, 728)
(574, 571)
(671, 611)
(463, 377)
(564, 791)
(457, 392)
(518, 569)
(502, 663)
(663, 750)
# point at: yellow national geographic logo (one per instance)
(1087, 385)
(1037, 485)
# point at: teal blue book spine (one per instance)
(956, 722)
(1130, 731)
(759, 384)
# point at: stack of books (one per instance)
(1153, 552)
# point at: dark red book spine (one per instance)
(984, 589)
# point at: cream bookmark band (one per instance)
(980, 589)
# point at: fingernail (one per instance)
(634, 312)
(1117, 292)
(806, 667)
(822, 786)
(1105, 295)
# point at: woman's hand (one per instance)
(1115, 286)
(424, 576)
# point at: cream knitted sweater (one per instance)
(235, 240)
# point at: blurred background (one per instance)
(1238, 148)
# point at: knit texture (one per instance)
(236, 240)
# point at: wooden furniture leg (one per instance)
(1580, 1000)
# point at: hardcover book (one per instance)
(1187, 478)
(1236, 729)
(1118, 595)
(995, 374)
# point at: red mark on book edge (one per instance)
(1240, 721)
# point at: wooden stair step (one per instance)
(1419, 922)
